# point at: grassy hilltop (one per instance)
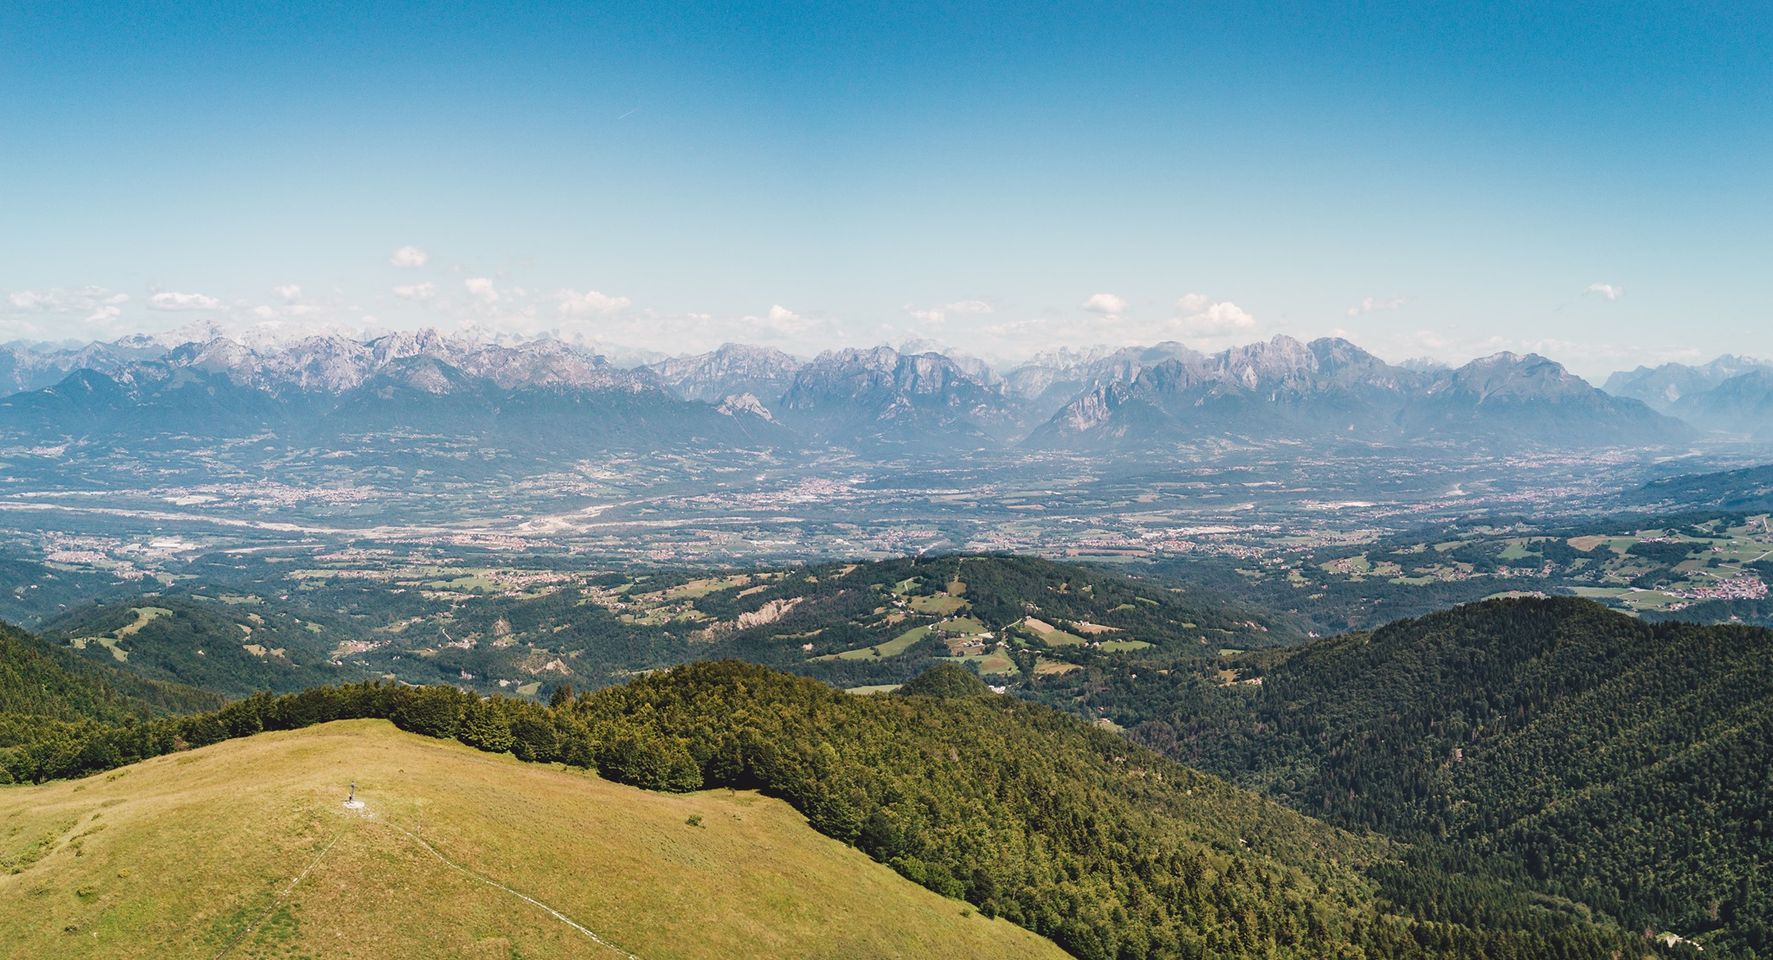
(196, 854)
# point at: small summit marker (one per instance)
(351, 801)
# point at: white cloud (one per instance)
(288, 293)
(104, 314)
(938, 314)
(174, 300)
(1197, 313)
(1373, 305)
(409, 257)
(482, 289)
(574, 303)
(32, 299)
(1106, 304)
(416, 291)
(1606, 291)
(83, 298)
(783, 317)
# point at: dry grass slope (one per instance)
(199, 855)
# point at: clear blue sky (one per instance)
(1589, 180)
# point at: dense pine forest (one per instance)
(1550, 743)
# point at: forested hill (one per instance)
(1622, 764)
(42, 683)
(50, 696)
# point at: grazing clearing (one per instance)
(114, 640)
(891, 648)
(963, 626)
(245, 849)
(940, 604)
(1124, 646)
(696, 589)
(874, 688)
(143, 617)
(1517, 549)
(990, 663)
(1051, 635)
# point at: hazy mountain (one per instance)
(144, 399)
(734, 368)
(1284, 390)
(543, 397)
(1130, 399)
(1530, 398)
(1049, 380)
(1278, 389)
(978, 368)
(1664, 386)
(30, 366)
(882, 395)
(1742, 404)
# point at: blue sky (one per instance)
(1587, 180)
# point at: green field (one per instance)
(941, 604)
(1123, 646)
(891, 648)
(199, 855)
(992, 663)
(113, 642)
(963, 626)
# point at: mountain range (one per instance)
(552, 395)
(542, 395)
(1731, 394)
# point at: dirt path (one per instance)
(280, 899)
(283, 897)
(556, 914)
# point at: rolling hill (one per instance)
(244, 849)
(850, 624)
(48, 694)
(228, 646)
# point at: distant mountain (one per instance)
(1664, 386)
(732, 369)
(556, 397)
(1049, 380)
(1742, 404)
(1287, 391)
(1278, 390)
(883, 396)
(1530, 398)
(35, 366)
(543, 397)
